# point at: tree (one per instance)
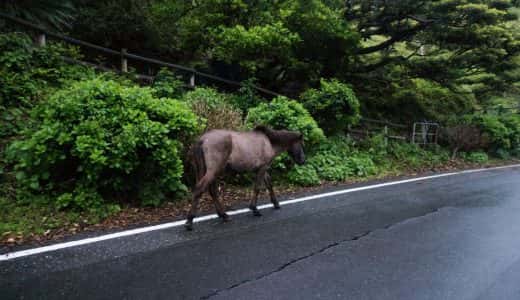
(55, 14)
(467, 47)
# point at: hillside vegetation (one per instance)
(80, 144)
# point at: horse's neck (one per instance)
(278, 149)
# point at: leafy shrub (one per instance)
(214, 108)
(26, 71)
(100, 140)
(494, 130)
(246, 97)
(334, 105)
(338, 144)
(283, 113)
(304, 175)
(27, 75)
(167, 85)
(405, 153)
(437, 156)
(376, 147)
(331, 167)
(208, 95)
(361, 165)
(512, 123)
(477, 157)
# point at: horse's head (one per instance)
(295, 150)
(292, 141)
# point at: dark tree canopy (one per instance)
(428, 57)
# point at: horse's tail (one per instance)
(198, 161)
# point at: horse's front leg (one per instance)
(256, 190)
(269, 186)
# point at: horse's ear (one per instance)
(300, 136)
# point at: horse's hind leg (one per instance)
(200, 188)
(213, 191)
(258, 183)
(269, 186)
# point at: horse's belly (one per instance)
(243, 166)
(242, 162)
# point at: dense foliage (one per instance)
(404, 59)
(215, 108)
(100, 140)
(27, 72)
(334, 106)
(166, 84)
(283, 113)
(82, 140)
(28, 75)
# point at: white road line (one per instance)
(22, 253)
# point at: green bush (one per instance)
(167, 85)
(283, 113)
(27, 72)
(331, 167)
(98, 140)
(304, 175)
(215, 108)
(27, 75)
(376, 147)
(437, 156)
(477, 157)
(338, 144)
(494, 130)
(334, 106)
(207, 95)
(246, 97)
(410, 155)
(361, 165)
(512, 123)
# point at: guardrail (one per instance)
(366, 129)
(41, 40)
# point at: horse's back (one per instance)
(242, 151)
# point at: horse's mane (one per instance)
(279, 137)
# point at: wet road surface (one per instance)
(455, 237)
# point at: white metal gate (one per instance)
(425, 133)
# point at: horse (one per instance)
(219, 150)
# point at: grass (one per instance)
(19, 219)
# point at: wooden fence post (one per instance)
(41, 40)
(124, 61)
(192, 80)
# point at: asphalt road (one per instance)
(454, 237)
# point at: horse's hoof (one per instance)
(276, 206)
(225, 218)
(257, 213)
(188, 227)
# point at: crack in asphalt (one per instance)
(321, 250)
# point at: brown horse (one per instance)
(218, 150)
